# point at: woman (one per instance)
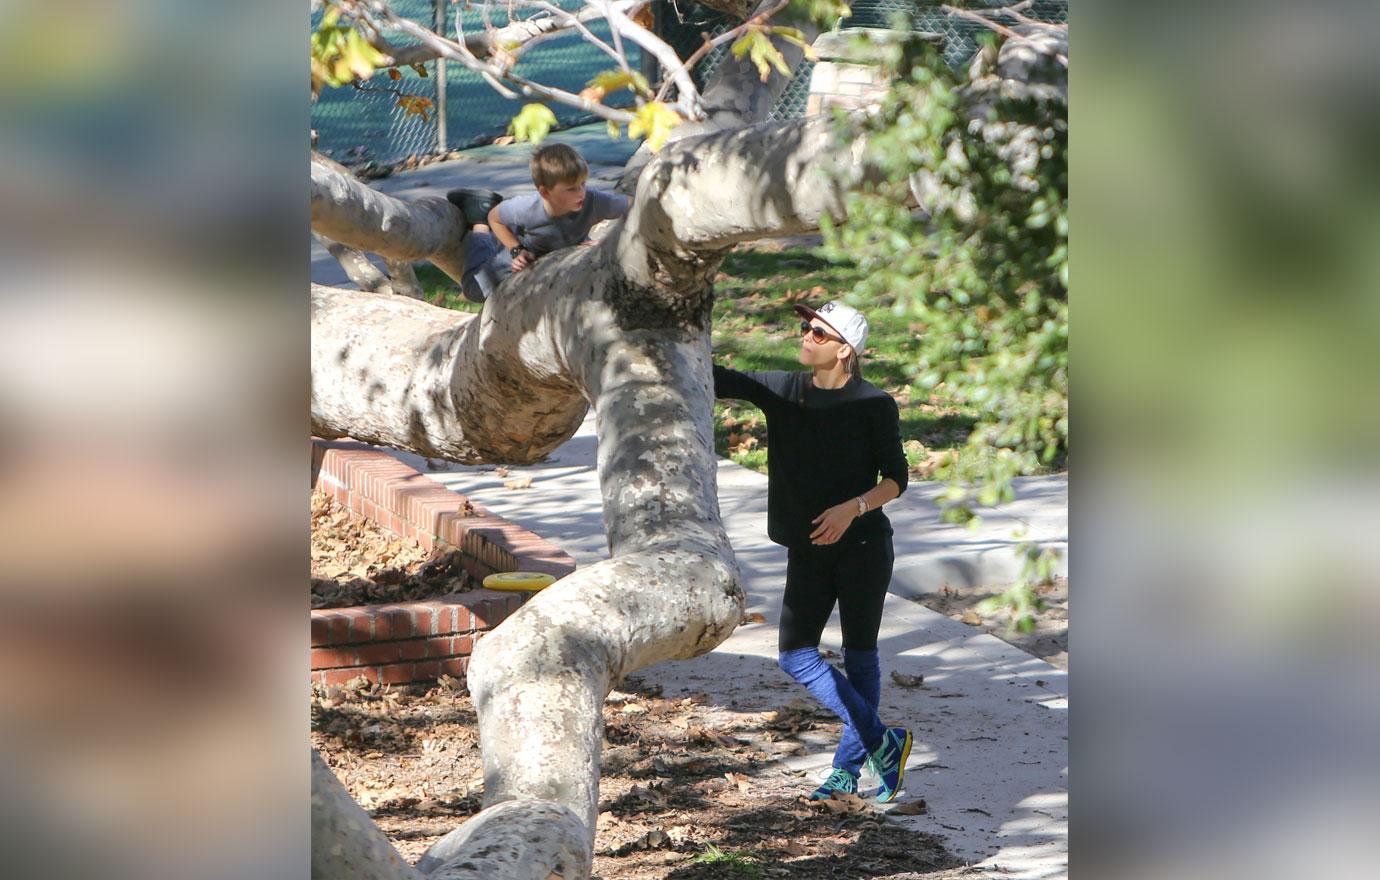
(830, 434)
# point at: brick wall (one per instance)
(417, 641)
(836, 82)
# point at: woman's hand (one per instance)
(523, 260)
(832, 523)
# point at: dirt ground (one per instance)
(688, 791)
(355, 562)
(684, 794)
(1050, 639)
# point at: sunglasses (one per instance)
(819, 334)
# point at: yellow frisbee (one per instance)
(518, 580)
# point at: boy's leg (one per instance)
(474, 204)
(479, 280)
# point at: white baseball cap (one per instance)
(845, 320)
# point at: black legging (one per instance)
(853, 575)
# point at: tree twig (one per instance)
(1001, 28)
(452, 50)
(710, 44)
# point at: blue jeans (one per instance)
(487, 264)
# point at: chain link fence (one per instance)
(365, 124)
(356, 125)
(684, 23)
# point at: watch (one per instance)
(515, 250)
(862, 505)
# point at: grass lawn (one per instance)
(755, 328)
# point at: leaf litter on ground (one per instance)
(679, 774)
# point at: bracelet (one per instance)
(862, 505)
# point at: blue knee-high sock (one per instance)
(831, 688)
(864, 672)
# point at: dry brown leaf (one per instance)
(911, 808)
(754, 617)
(907, 681)
(738, 779)
(794, 847)
(650, 795)
(701, 734)
(519, 483)
(845, 803)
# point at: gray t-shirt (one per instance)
(536, 231)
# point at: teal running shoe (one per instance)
(840, 780)
(889, 762)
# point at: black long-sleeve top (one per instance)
(824, 446)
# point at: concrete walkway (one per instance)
(990, 721)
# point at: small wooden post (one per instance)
(441, 146)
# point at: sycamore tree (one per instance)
(622, 327)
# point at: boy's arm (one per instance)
(500, 229)
(523, 258)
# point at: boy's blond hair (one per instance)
(557, 163)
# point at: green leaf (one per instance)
(796, 36)
(654, 121)
(755, 44)
(532, 123)
(613, 80)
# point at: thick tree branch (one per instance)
(345, 842)
(354, 214)
(784, 177)
(402, 278)
(358, 268)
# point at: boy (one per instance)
(511, 234)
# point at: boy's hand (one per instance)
(524, 259)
